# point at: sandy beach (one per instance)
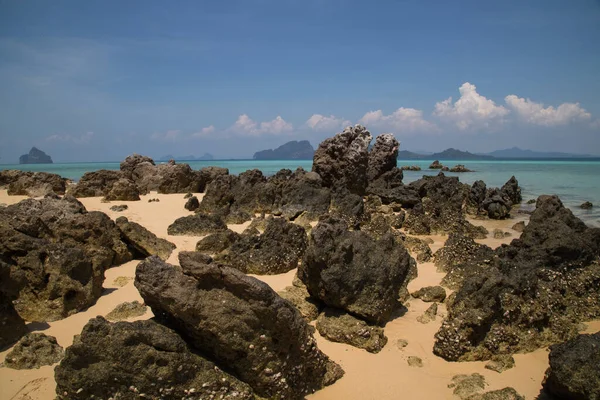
(385, 375)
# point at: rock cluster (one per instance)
(32, 184)
(33, 351)
(494, 203)
(143, 242)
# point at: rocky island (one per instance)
(35, 156)
(294, 150)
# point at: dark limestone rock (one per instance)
(476, 197)
(339, 326)
(300, 298)
(414, 361)
(383, 156)
(519, 226)
(467, 385)
(460, 168)
(192, 204)
(496, 205)
(419, 248)
(126, 310)
(240, 322)
(34, 184)
(134, 165)
(197, 225)
(348, 207)
(586, 205)
(178, 178)
(277, 250)
(119, 208)
(507, 393)
(390, 189)
(299, 193)
(123, 190)
(410, 168)
(352, 271)
(33, 351)
(217, 242)
(208, 174)
(436, 165)
(220, 195)
(35, 156)
(144, 242)
(429, 314)
(96, 183)
(512, 191)
(237, 217)
(12, 326)
(430, 294)
(126, 359)
(342, 161)
(500, 363)
(573, 372)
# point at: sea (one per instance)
(573, 180)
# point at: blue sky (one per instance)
(98, 80)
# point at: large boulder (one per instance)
(33, 184)
(96, 183)
(241, 323)
(383, 156)
(33, 351)
(574, 371)
(142, 241)
(339, 326)
(12, 326)
(343, 160)
(390, 189)
(178, 178)
(533, 293)
(126, 360)
(350, 270)
(300, 192)
(123, 190)
(217, 242)
(197, 225)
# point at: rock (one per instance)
(414, 361)
(126, 359)
(573, 371)
(586, 206)
(121, 281)
(348, 207)
(429, 314)
(119, 208)
(124, 190)
(445, 169)
(35, 156)
(496, 206)
(500, 234)
(390, 189)
(197, 225)
(500, 363)
(418, 247)
(512, 191)
(435, 165)
(12, 326)
(142, 241)
(33, 184)
(533, 293)
(460, 168)
(274, 350)
(153, 200)
(300, 193)
(401, 344)
(383, 156)
(342, 161)
(96, 183)
(519, 226)
(192, 204)
(126, 310)
(477, 196)
(341, 327)
(410, 168)
(133, 166)
(208, 174)
(33, 351)
(194, 259)
(277, 250)
(430, 294)
(467, 385)
(237, 217)
(217, 242)
(507, 393)
(300, 298)
(531, 201)
(352, 271)
(188, 195)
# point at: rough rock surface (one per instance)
(96, 183)
(142, 241)
(32, 184)
(574, 372)
(217, 242)
(390, 189)
(339, 326)
(467, 385)
(126, 310)
(519, 226)
(124, 190)
(240, 322)
(197, 225)
(507, 393)
(500, 363)
(436, 165)
(460, 168)
(429, 314)
(533, 293)
(192, 204)
(352, 271)
(126, 359)
(12, 326)
(119, 208)
(300, 298)
(430, 294)
(415, 361)
(342, 161)
(33, 351)
(419, 248)
(383, 156)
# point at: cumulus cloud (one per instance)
(322, 123)
(84, 138)
(471, 110)
(168, 136)
(204, 132)
(536, 113)
(403, 120)
(247, 126)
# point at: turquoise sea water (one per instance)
(575, 181)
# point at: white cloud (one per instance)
(403, 120)
(168, 136)
(536, 113)
(322, 123)
(205, 132)
(84, 138)
(247, 126)
(471, 110)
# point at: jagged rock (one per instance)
(300, 193)
(119, 208)
(500, 363)
(430, 294)
(347, 206)
(300, 298)
(188, 195)
(32, 184)
(512, 190)
(192, 204)
(460, 168)
(194, 259)
(352, 271)
(401, 344)
(339, 326)
(435, 165)
(429, 314)
(219, 195)
(410, 168)
(519, 226)
(445, 169)
(197, 225)
(96, 183)
(467, 385)
(126, 359)
(342, 161)
(496, 206)
(586, 205)
(134, 167)
(277, 250)
(126, 310)
(12, 326)
(237, 217)
(217, 242)
(476, 197)
(573, 371)
(419, 247)
(415, 361)
(208, 174)
(33, 351)
(121, 281)
(124, 190)
(35, 156)
(507, 393)
(534, 292)
(240, 322)
(390, 189)
(383, 156)
(143, 241)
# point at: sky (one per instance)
(99, 80)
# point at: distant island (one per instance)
(204, 157)
(294, 150)
(448, 154)
(35, 156)
(515, 152)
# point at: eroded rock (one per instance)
(339, 326)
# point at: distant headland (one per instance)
(35, 156)
(294, 150)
